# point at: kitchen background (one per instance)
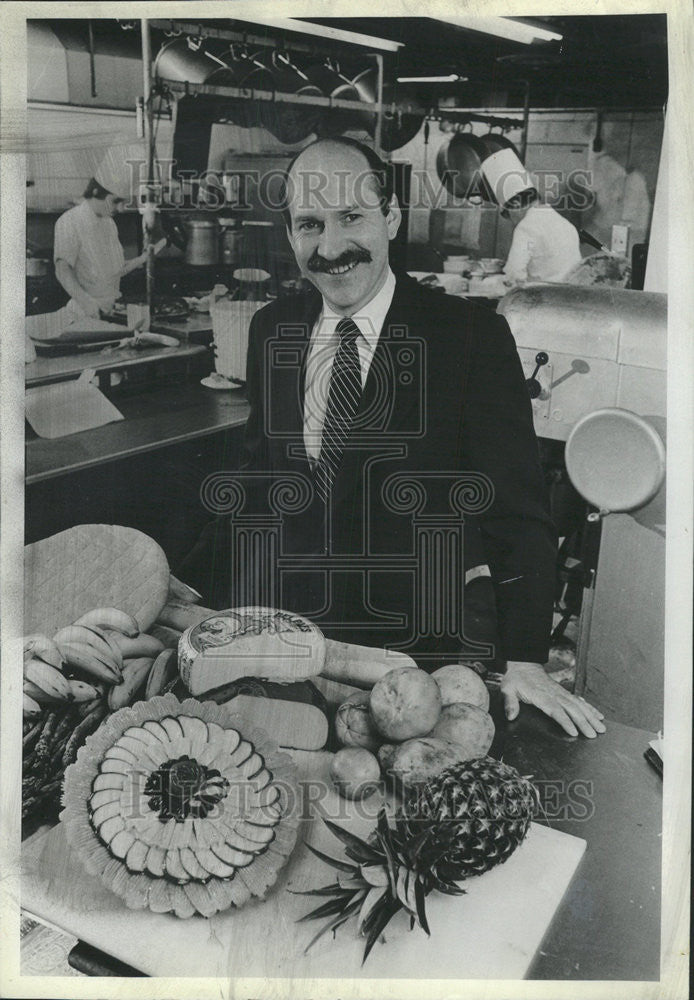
(585, 113)
(594, 116)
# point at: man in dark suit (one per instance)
(391, 435)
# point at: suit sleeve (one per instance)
(517, 532)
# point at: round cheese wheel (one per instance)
(249, 642)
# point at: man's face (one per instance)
(338, 232)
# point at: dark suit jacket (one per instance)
(443, 442)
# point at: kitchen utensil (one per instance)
(252, 283)
(202, 245)
(593, 241)
(366, 84)
(332, 83)
(290, 123)
(615, 459)
(494, 141)
(458, 163)
(233, 239)
(177, 61)
(398, 128)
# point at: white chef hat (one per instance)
(122, 169)
(506, 176)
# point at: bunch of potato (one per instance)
(414, 725)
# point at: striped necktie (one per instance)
(343, 399)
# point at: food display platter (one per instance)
(212, 889)
(492, 932)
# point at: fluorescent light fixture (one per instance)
(451, 78)
(505, 27)
(323, 31)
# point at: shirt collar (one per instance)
(370, 317)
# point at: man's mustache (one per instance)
(358, 256)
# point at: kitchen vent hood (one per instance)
(61, 69)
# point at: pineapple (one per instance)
(488, 805)
(461, 823)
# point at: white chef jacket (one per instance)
(89, 244)
(322, 349)
(545, 247)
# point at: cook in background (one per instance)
(89, 258)
(545, 246)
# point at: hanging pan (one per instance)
(458, 164)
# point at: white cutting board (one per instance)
(492, 932)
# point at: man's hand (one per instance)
(528, 682)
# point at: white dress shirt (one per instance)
(545, 247)
(321, 354)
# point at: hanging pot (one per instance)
(495, 141)
(177, 61)
(198, 237)
(290, 123)
(458, 164)
(202, 245)
(398, 128)
(332, 83)
(366, 84)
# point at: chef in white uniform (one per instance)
(545, 246)
(89, 258)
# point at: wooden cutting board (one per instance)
(492, 932)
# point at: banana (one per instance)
(39, 695)
(113, 618)
(47, 678)
(94, 637)
(43, 648)
(85, 658)
(81, 691)
(141, 645)
(108, 635)
(170, 637)
(135, 673)
(30, 708)
(164, 669)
